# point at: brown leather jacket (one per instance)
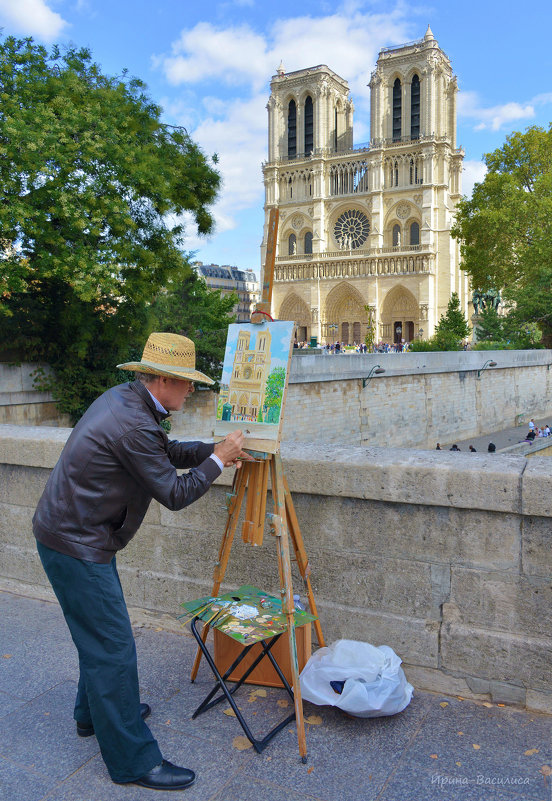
(115, 461)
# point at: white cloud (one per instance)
(237, 55)
(239, 140)
(543, 99)
(474, 172)
(494, 117)
(232, 55)
(207, 59)
(31, 17)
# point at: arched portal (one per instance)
(345, 316)
(399, 316)
(294, 308)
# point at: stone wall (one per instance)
(420, 399)
(21, 403)
(443, 556)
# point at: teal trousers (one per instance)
(92, 601)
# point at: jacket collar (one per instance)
(141, 390)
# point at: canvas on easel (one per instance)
(254, 383)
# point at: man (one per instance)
(115, 461)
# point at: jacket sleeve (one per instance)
(143, 454)
(188, 454)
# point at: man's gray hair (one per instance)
(145, 378)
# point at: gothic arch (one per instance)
(294, 308)
(345, 317)
(399, 315)
(398, 299)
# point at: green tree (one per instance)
(93, 187)
(490, 325)
(453, 321)
(505, 229)
(190, 308)
(451, 329)
(274, 390)
(443, 340)
(370, 337)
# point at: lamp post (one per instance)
(376, 370)
(488, 363)
(420, 333)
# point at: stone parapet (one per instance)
(445, 557)
(20, 402)
(419, 400)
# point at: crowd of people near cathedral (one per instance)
(357, 347)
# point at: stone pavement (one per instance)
(504, 438)
(439, 749)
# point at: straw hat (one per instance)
(170, 355)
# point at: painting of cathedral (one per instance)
(254, 382)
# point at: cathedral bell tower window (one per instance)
(415, 108)
(292, 130)
(415, 234)
(292, 245)
(309, 126)
(308, 242)
(397, 110)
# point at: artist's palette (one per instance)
(247, 615)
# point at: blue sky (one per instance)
(209, 65)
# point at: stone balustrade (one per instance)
(350, 264)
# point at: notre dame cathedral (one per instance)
(364, 234)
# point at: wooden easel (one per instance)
(251, 481)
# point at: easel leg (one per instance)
(236, 500)
(302, 559)
(284, 565)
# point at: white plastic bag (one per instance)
(374, 681)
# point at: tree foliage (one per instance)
(93, 187)
(190, 308)
(451, 329)
(490, 325)
(505, 229)
(275, 387)
(453, 321)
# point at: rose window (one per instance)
(351, 229)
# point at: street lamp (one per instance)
(376, 370)
(488, 363)
(420, 333)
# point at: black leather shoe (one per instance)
(166, 776)
(88, 731)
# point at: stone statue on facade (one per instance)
(492, 298)
(477, 301)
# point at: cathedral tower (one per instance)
(365, 231)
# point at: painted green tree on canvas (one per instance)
(274, 393)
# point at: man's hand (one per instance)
(229, 451)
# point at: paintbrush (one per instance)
(196, 612)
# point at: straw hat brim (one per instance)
(184, 373)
